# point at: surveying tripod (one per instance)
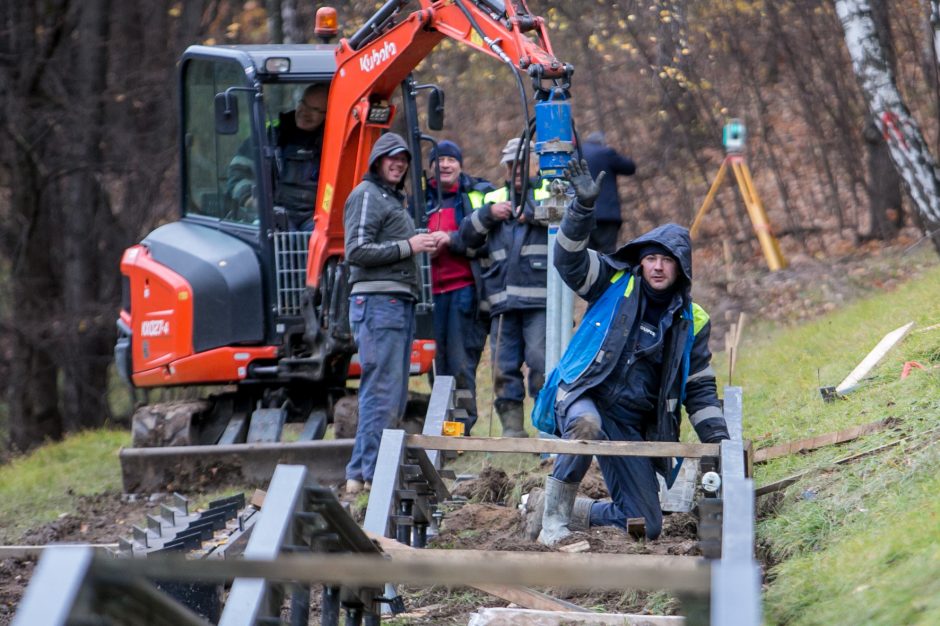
(734, 140)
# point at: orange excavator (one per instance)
(230, 299)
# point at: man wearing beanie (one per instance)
(640, 352)
(460, 319)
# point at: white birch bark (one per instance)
(935, 23)
(905, 140)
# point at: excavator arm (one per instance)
(372, 63)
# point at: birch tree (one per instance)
(909, 151)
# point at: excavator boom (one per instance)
(372, 63)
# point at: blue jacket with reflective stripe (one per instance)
(611, 286)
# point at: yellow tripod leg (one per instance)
(709, 198)
(755, 209)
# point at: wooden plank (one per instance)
(563, 446)
(873, 358)
(437, 567)
(783, 483)
(793, 447)
(24, 552)
(523, 596)
(523, 617)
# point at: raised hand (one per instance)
(585, 187)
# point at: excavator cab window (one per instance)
(219, 169)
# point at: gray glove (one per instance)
(586, 189)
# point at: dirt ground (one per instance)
(102, 519)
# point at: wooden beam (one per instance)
(783, 483)
(436, 567)
(563, 446)
(522, 617)
(523, 596)
(793, 447)
(24, 552)
(873, 358)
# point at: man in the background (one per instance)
(461, 315)
(515, 278)
(602, 158)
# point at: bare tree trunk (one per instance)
(86, 340)
(892, 117)
(27, 233)
(884, 184)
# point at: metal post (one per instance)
(553, 345)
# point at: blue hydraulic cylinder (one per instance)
(554, 134)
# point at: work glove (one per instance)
(586, 189)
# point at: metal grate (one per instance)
(290, 266)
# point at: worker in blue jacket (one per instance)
(640, 352)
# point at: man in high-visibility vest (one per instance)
(514, 276)
(640, 354)
(461, 316)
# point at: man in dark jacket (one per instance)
(515, 282)
(641, 351)
(602, 158)
(460, 322)
(381, 244)
(298, 140)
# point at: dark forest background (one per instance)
(88, 143)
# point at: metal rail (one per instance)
(299, 516)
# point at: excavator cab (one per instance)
(221, 296)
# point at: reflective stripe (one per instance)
(699, 318)
(534, 248)
(519, 292)
(701, 415)
(594, 270)
(486, 262)
(671, 404)
(362, 218)
(498, 255)
(570, 244)
(708, 372)
(404, 249)
(477, 223)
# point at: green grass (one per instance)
(38, 488)
(857, 543)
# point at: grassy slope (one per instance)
(36, 489)
(857, 544)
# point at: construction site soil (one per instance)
(490, 518)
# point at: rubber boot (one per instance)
(535, 509)
(559, 502)
(512, 416)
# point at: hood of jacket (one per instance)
(389, 143)
(673, 237)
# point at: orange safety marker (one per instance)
(908, 366)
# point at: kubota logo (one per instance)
(154, 328)
(377, 56)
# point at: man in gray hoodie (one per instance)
(381, 244)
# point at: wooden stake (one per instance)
(874, 357)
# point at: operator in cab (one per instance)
(298, 139)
